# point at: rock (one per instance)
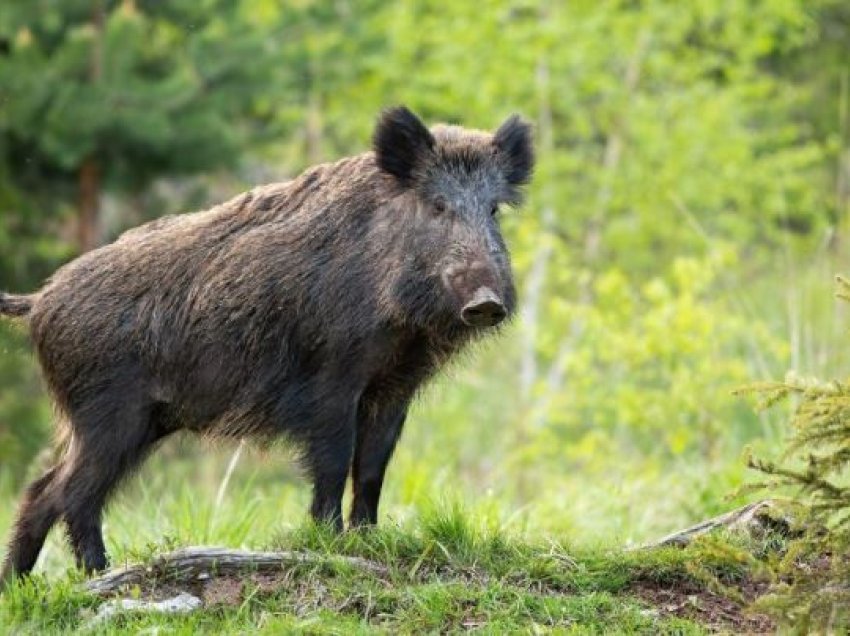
(183, 603)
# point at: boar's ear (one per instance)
(401, 143)
(513, 140)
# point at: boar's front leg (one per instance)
(328, 459)
(378, 430)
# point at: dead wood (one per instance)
(755, 518)
(200, 563)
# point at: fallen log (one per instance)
(757, 517)
(200, 563)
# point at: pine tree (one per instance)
(105, 95)
(815, 592)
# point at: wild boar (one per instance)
(312, 310)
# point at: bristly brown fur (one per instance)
(313, 310)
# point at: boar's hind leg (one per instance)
(329, 461)
(103, 453)
(37, 514)
(377, 434)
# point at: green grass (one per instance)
(454, 561)
(446, 570)
(178, 496)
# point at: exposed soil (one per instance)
(222, 591)
(717, 612)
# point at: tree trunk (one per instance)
(88, 206)
(89, 174)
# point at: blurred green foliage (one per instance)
(692, 190)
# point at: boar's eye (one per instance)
(439, 206)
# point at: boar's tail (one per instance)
(15, 305)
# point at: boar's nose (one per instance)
(484, 310)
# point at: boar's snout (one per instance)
(484, 310)
(477, 287)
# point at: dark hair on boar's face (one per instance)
(454, 181)
(312, 310)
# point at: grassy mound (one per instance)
(441, 574)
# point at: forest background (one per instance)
(690, 208)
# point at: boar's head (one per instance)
(451, 184)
